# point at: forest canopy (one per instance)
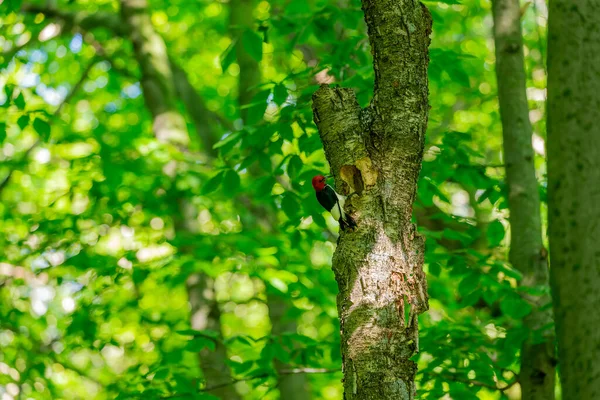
(159, 232)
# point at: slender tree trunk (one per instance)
(377, 153)
(241, 18)
(207, 315)
(574, 191)
(291, 387)
(157, 78)
(206, 122)
(169, 126)
(527, 252)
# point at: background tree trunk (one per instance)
(377, 153)
(241, 18)
(169, 126)
(527, 252)
(574, 190)
(164, 83)
(294, 386)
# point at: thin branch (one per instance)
(481, 384)
(85, 20)
(89, 38)
(265, 375)
(308, 371)
(77, 85)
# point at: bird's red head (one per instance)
(319, 182)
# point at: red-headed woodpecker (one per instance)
(332, 202)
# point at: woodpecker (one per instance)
(332, 202)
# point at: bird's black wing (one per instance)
(327, 198)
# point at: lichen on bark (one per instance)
(377, 153)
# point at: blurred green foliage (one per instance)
(93, 261)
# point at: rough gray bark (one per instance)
(527, 252)
(169, 126)
(574, 191)
(377, 153)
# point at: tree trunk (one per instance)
(574, 191)
(291, 386)
(377, 153)
(241, 18)
(207, 315)
(157, 78)
(294, 386)
(169, 127)
(527, 252)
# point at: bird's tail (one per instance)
(347, 222)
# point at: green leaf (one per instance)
(256, 109)
(23, 121)
(8, 90)
(319, 219)
(515, 307)
(490, 296)
(241, 368)
(268, 352)
(468, 284)
(13, 5)
(20, 101)
(200, 343)
(2, 132)
(204, 332)
(212, 184)
(297, 7)
(495, 233)
(228, 56)
(252, 43)
(281, 353)
(294, 166)
(290, 206)
(435, 268)
(287, 132)
(244, 339)
(470, 299)
(161, 374)
(42, 128)
(265, 163)
(231, 182)
(309, 143)
(280, 93)
(248, 161)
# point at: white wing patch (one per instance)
(335, 211)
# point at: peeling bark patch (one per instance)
(368, 172)
(352, 177)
